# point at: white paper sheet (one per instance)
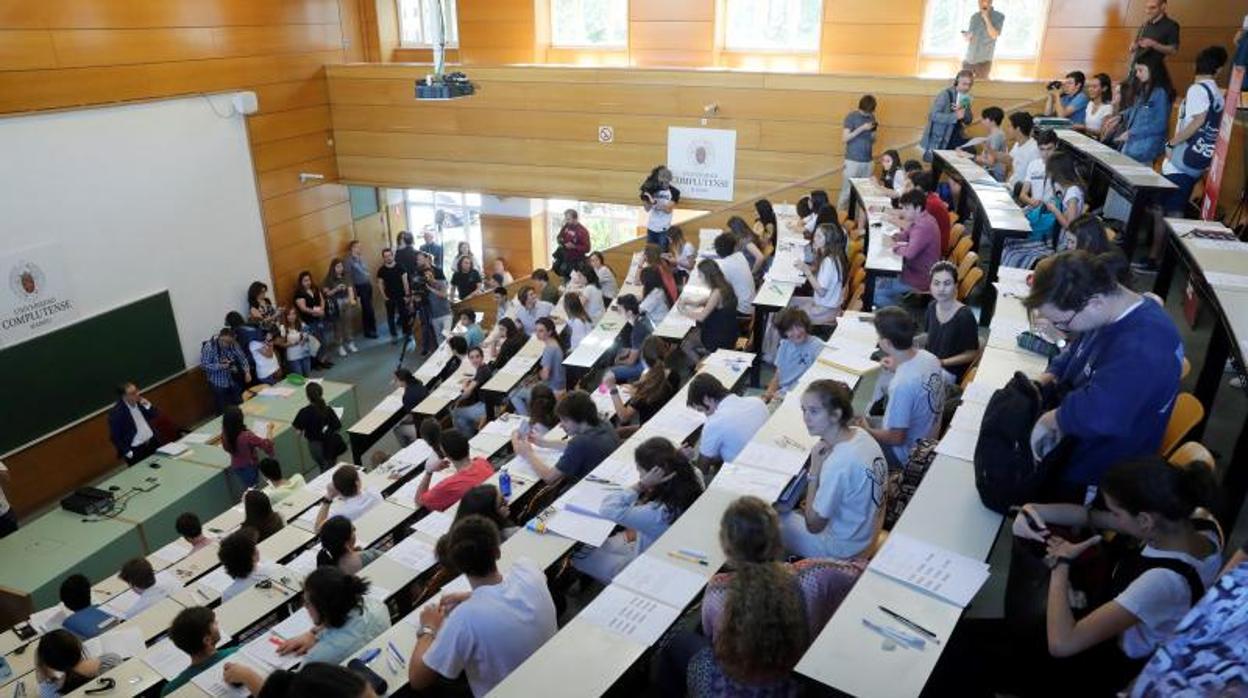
(652, 576)
(212, 682)
(390, 404)
(197, 438)
(173, 552)
(959, 444)
(296, 623)
(505, 425)
(586, 497)
(124, 642)
(969, 416)
(166, 659)
(264, 649)
(173, 449)
(217, 580)
(457, 585)
(978, 392)
(946, 574)
(436, 524)
(276, 391)
(414, 554)
(590, 530)
(410, 457)
(340, 411)
(119, 604)
(621, 471)
(636, 617)
(746, 480)
(304, 563)
(768, 456)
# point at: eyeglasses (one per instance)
(1064, 325)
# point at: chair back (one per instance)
(967, 284)
(1186, 415)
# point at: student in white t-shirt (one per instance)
(827, 276)
(240, 558)
(345, 496)
(1157, 503)
(139, 574)
(1024, 149)
(844, 505)
(916, 392)
(731, 420)
(268, 368)
(487, 632)
(737, 270)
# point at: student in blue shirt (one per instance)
(346, 617)
(194, 631)
(1068, 99)
(85, 620)
(1120, 375)
(1147, 114)
(798, 351)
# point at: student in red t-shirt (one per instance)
(469, 472)
(935, 207)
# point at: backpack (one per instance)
(1196, 153)
(901, 484)
(1006, 471)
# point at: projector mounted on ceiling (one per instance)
(437, 85)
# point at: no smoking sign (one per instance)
(606, 134)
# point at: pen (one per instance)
(910, 624)
(903, 639)
(397, 655)
(692, 553)
(370, 655)
(687, 558)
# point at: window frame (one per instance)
(452, 27)
(554, 43)
(722, 21)
(924, 52)
(461, 205)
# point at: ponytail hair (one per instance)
(833, 395)
(316, 397)
(335, 534)
(1159, 487)
(678, 493)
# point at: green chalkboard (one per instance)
(67, 374)
(363, 201)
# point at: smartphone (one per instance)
(25, 631)
(380, 687)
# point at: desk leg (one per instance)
(761, 317)
(868, 294)
(853, 204)
(990, 291)
(1210, 378)
(1165, 270)
(1139, 211)
(359, 445)
(1235, 481)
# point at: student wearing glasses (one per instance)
(1120, 374)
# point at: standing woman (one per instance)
(1100, 105)
(241, 444)
(260, 310)
(319, 424)
(606, 278)
(950, 113)
(666, 486)
(339, 302)
(310, 303)
(466, 279)
(827, 276)
(716, 315)
(1146, 113)
(579, 322)
(952, 332)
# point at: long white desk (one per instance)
(870, 202)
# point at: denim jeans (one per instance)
(247, 475)
(301, 366)
(627, 373)
(467, 418)
(888, 291)
(520, 400)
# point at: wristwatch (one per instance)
(426, 630)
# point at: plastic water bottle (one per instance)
(504, 483)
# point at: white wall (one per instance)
(142, 197)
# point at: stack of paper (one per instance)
(49, 618)
(413, 553)
(436, 524)
(174, 448)
(505, 425)
(590, 530)
(166, 659)
(277, 391)
(943, 573)
(264, 650)
(171, 553)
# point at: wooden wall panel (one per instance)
(59, 54)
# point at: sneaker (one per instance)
(342, 351)
(1145, 266)
(351, 347)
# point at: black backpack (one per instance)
(1006, 471)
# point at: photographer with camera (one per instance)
(429, 294)
(1067, 99)
(659, 198)
(225, 366)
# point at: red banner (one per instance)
(1213, 181)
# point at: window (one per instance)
(416, 22)
(589, 23)
(608, 224)
(453, 217)
(945, 20)
(772, 25)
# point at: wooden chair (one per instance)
(858, 277)
(966, 285)
(1187, 368)
(1186, 415)
(1190, 452)
(853, 249)
(960, 250)
(969, 376)
(970, 260)
(858, 261)
(955, 234)
(855, 298)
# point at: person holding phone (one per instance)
(858, 134)
(949, 114)
(981, 36)
(659, 199)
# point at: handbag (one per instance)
(1042, 223)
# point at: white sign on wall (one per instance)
(36, 296)
(703, 162)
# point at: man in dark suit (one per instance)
(131, 425)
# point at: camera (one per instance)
(1054, 85)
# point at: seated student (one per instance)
(313, 679)
(682, 255)
(827, 274)
(934, 205)
(84, 620)
(138, 573)
(628, 366)
(259, 517)
(1064, 208)
(716, 314)
(1139, 604)
(655, 302)
(264, 356)
(503, 306)
(584, 282)
(951, 331)
(650, 392)
(748, 244)
(469, 411)
(488, 632)
(510, 339)
(414, 393)
(192, 531)
(487, 501)
(1119, 377)
(550, 369)
(892, 176)
(580, 324)
(339, 549)
(916, 390)
(240, 558)
(459, 351)
(606, 278)
(319, 425)
(731, 420)
(547, 292)
(994, 143)
(844, 505)
(918, 244)
(1019, 128)
(242, 444)
(652, 258)
(798, 351)
(592, 440)
(467, 325)
(531, 309)
(279, 486)
(130, 425)
(346, 618)
(1068, 100)
(666, 485)
(737, 271)
(542, 404)
(62, 666)
(345, 496)
(194, 631)
(469, 472)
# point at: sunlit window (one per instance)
(417, 22)
(945, 20)
(589, 23)
(452, 216)
(772, 25)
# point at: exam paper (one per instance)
(652, 576)
(124, 642)
(959, 444)
(409, 458)
(217, 580)
(783, 460)
(166, 659)
(636, 617)
(173, 552)
(590, 530)
(747, 480)
(414, 554)
(586, 497)
(49, 618)
(943, 573)
(621, 471)
(173, 449)
(436, 524)
(121, 603)
(296, 623)
(304, 564)
(264, 650)
(276, 391)
(212, 682)
(390, 404)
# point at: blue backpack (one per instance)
(1196, 153)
